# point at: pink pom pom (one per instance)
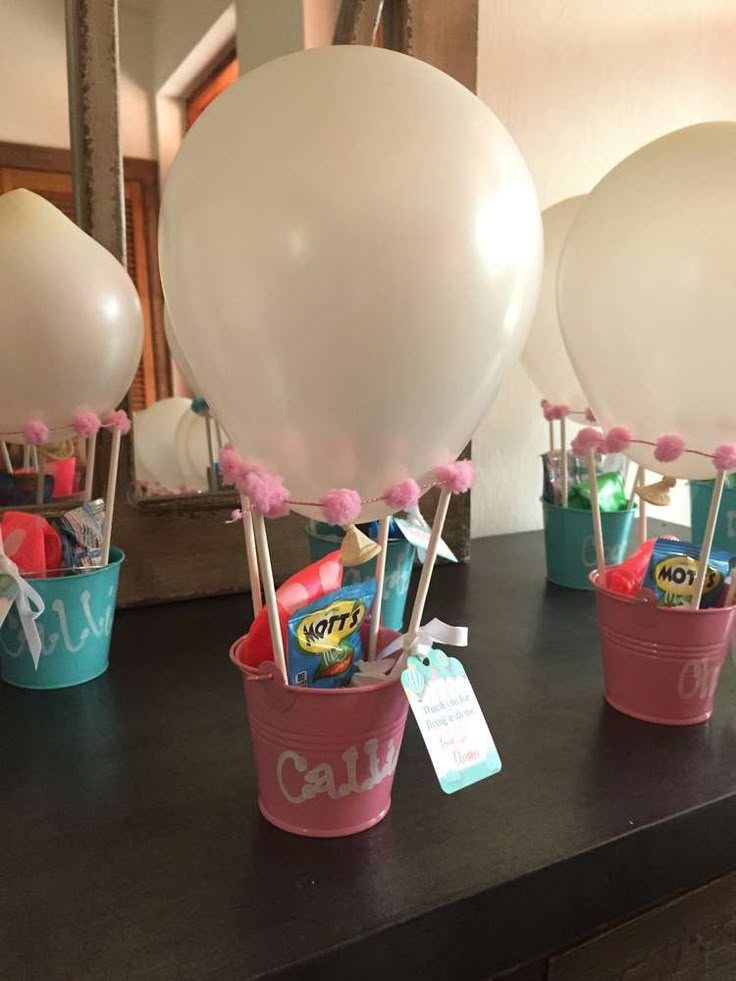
(118, 419)
(341, 506)
(36, 432)
(457, 477)
(724, 458)
(590, 415)
(229, 463)
(403, 495)
(267, 493)
(617, 440)
(552, 410)
(587, 439)
(669, 448)
(86, 423)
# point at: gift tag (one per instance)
(416, 531)
(450, 720)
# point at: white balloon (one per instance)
(155, 446)
(545, 356)
(647, 294)
(351, 252)
(178, 355)
(192, 450)
(72, 328)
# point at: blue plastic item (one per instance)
(75, 630)
(569, 545)
(399, 563)
(701, 492)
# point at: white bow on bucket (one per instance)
(434, 632)
(29, 602)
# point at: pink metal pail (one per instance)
(659, 664)
(325, 757)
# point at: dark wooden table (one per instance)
(132, 847)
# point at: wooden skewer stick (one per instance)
(708, 535)
(600, 554)
(251, 555)
(380, 580)
(269, 590)
(6, 457)
(428, 567)
(112, 481)
(563, 451)
(89, 472)
(642, 510)
(40, 474)
(212, 478)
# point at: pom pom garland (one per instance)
(341, 506)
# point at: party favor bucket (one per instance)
(325, 758)
(399, 563)
(569, 545)
(75, 630)
(661, 664)
(701, 492)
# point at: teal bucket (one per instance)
(75, 630)
(569, 545)
(399, 563)
(701, 492)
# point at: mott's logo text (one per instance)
(677, 573)
(325, 629)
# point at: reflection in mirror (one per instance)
(176, 439)
(177, 446)
(54, 474)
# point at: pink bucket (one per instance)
(661, 665)
(325, 758)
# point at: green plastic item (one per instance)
(611, 493)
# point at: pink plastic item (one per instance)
(325, 757)
(63, 473)
(661, 665)
(627, 576)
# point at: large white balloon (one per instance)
(647, 294)
(351, 252)
(545, 356)
(72, 329)
(178, 355)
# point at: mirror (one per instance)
(176, 440)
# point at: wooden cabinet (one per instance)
(691, 938)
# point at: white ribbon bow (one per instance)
(30, 606)
(434, 632)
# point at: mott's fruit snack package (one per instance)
(324, 637)
(673, 569)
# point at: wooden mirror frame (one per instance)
(182, 548)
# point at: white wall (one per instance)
(580, 84)
(320, 17)
(33, 82)
(179, 25)
(267, 30)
